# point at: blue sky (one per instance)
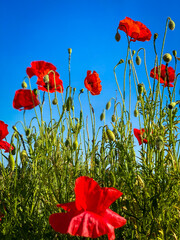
(44, 30)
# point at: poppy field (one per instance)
(72, 179)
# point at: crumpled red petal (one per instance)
(3, 130)
(6, 146)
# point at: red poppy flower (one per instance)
(135, 30)
(89, 215)
(93, 83)
(139, 135)
(25, 99)
(41, 69)
(163, 77)
(3, 133)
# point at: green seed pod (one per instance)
(136, 113)
(108, 105)
(171, 25)
(11, 162)
(46, 78)
(155, 36)
(69, 51)
(140, 88)
(75, 145)
(68, 104)
(55, 101)
(67, 143)
(110, 135)
(174, 53)
(138, 60)
(28, 131)
(172, 105)
(117, 37)
(167, 57)
(159, 143)
(113, 118)
(133, 52)
(102, 116)
(35, 91)
(23, 156)
(24, 85)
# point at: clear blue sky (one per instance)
(44, 30)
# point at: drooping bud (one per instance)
(82, 90)
(121, 61)
(171, 25)
(11, 162)
(28, 131)
(35, 91)
(102, 116)
(140, 88)
(167, 57)
(68, 103)
(159, 143)
(155, 36)
(117, 37)
(129, 61)
(23, 156)
(172, 105)
(69, 51)
(138, 60)
(110, 135)
(133, 52)
(174, 53)
(113, 118)
(55, 101)
(14, 128)
(24, 84)
(108, 105)
(46, 78)
(136, 113)
(75, 145)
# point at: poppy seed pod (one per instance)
(171, 25)
(117, 37)
(167, 57)
(23, 155)
(110, 135)
(102, 116)
(24, 84)
(138, 60)
(75, 145)
(69, 51)
(55, 101)
(11, 162)
(172, 105)
(46, 78)
(108, 105)
(159, 143)
(140, 88)
(136, 113)
(113, 118)
(174, 53)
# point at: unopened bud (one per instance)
(68, 103)
(174, 53)
(75, 145)
(113, 118)
(35, 91)
(46, 78)
(102, 116)
(121, 61)
(63, 128)
(110, 135)
(167, 57)
(117, 37)
(171, 25)
(67, 143)
(155, 36)
(13, 151)
(136, 113)
(14, 128)
(159, 143)
(11, 162)
(133, 52)
(129, 61)
(23, 156)
(140, 88)
(108, 105)
(172, 105)
(28, 131)
(55, 101)
(69, 51)
(82, 90)
(24, 84)
(138, 60)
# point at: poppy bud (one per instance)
(24, 84)
(74, 89)
(167, 57)
(113, 118)
(28, 131)
(140, 88)
(11, 162)
(23, 155)
(35, 91)
(172, 105)
(171, 25)
(133, 52)
(69, 103)
(75, 145)
(129, 61)
(138, 60)
(174, 53)
(69, 51)
(159, 143)
(136, 113)
(14, 128)
(155, 36)
(82, 90)
(108, 105)
(117, 37)
(110, 135)
(102, 116)
(121, 61)
(55, 101)
(67, 143)
(46, 78)
(105, 137)
(63, 128)
(14, 149)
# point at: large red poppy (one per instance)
(139, 135)
(41, 69)
(163, 76)
(3, 133)
(93, 83)
(135, 30)
(89, 215)
(25, 99)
